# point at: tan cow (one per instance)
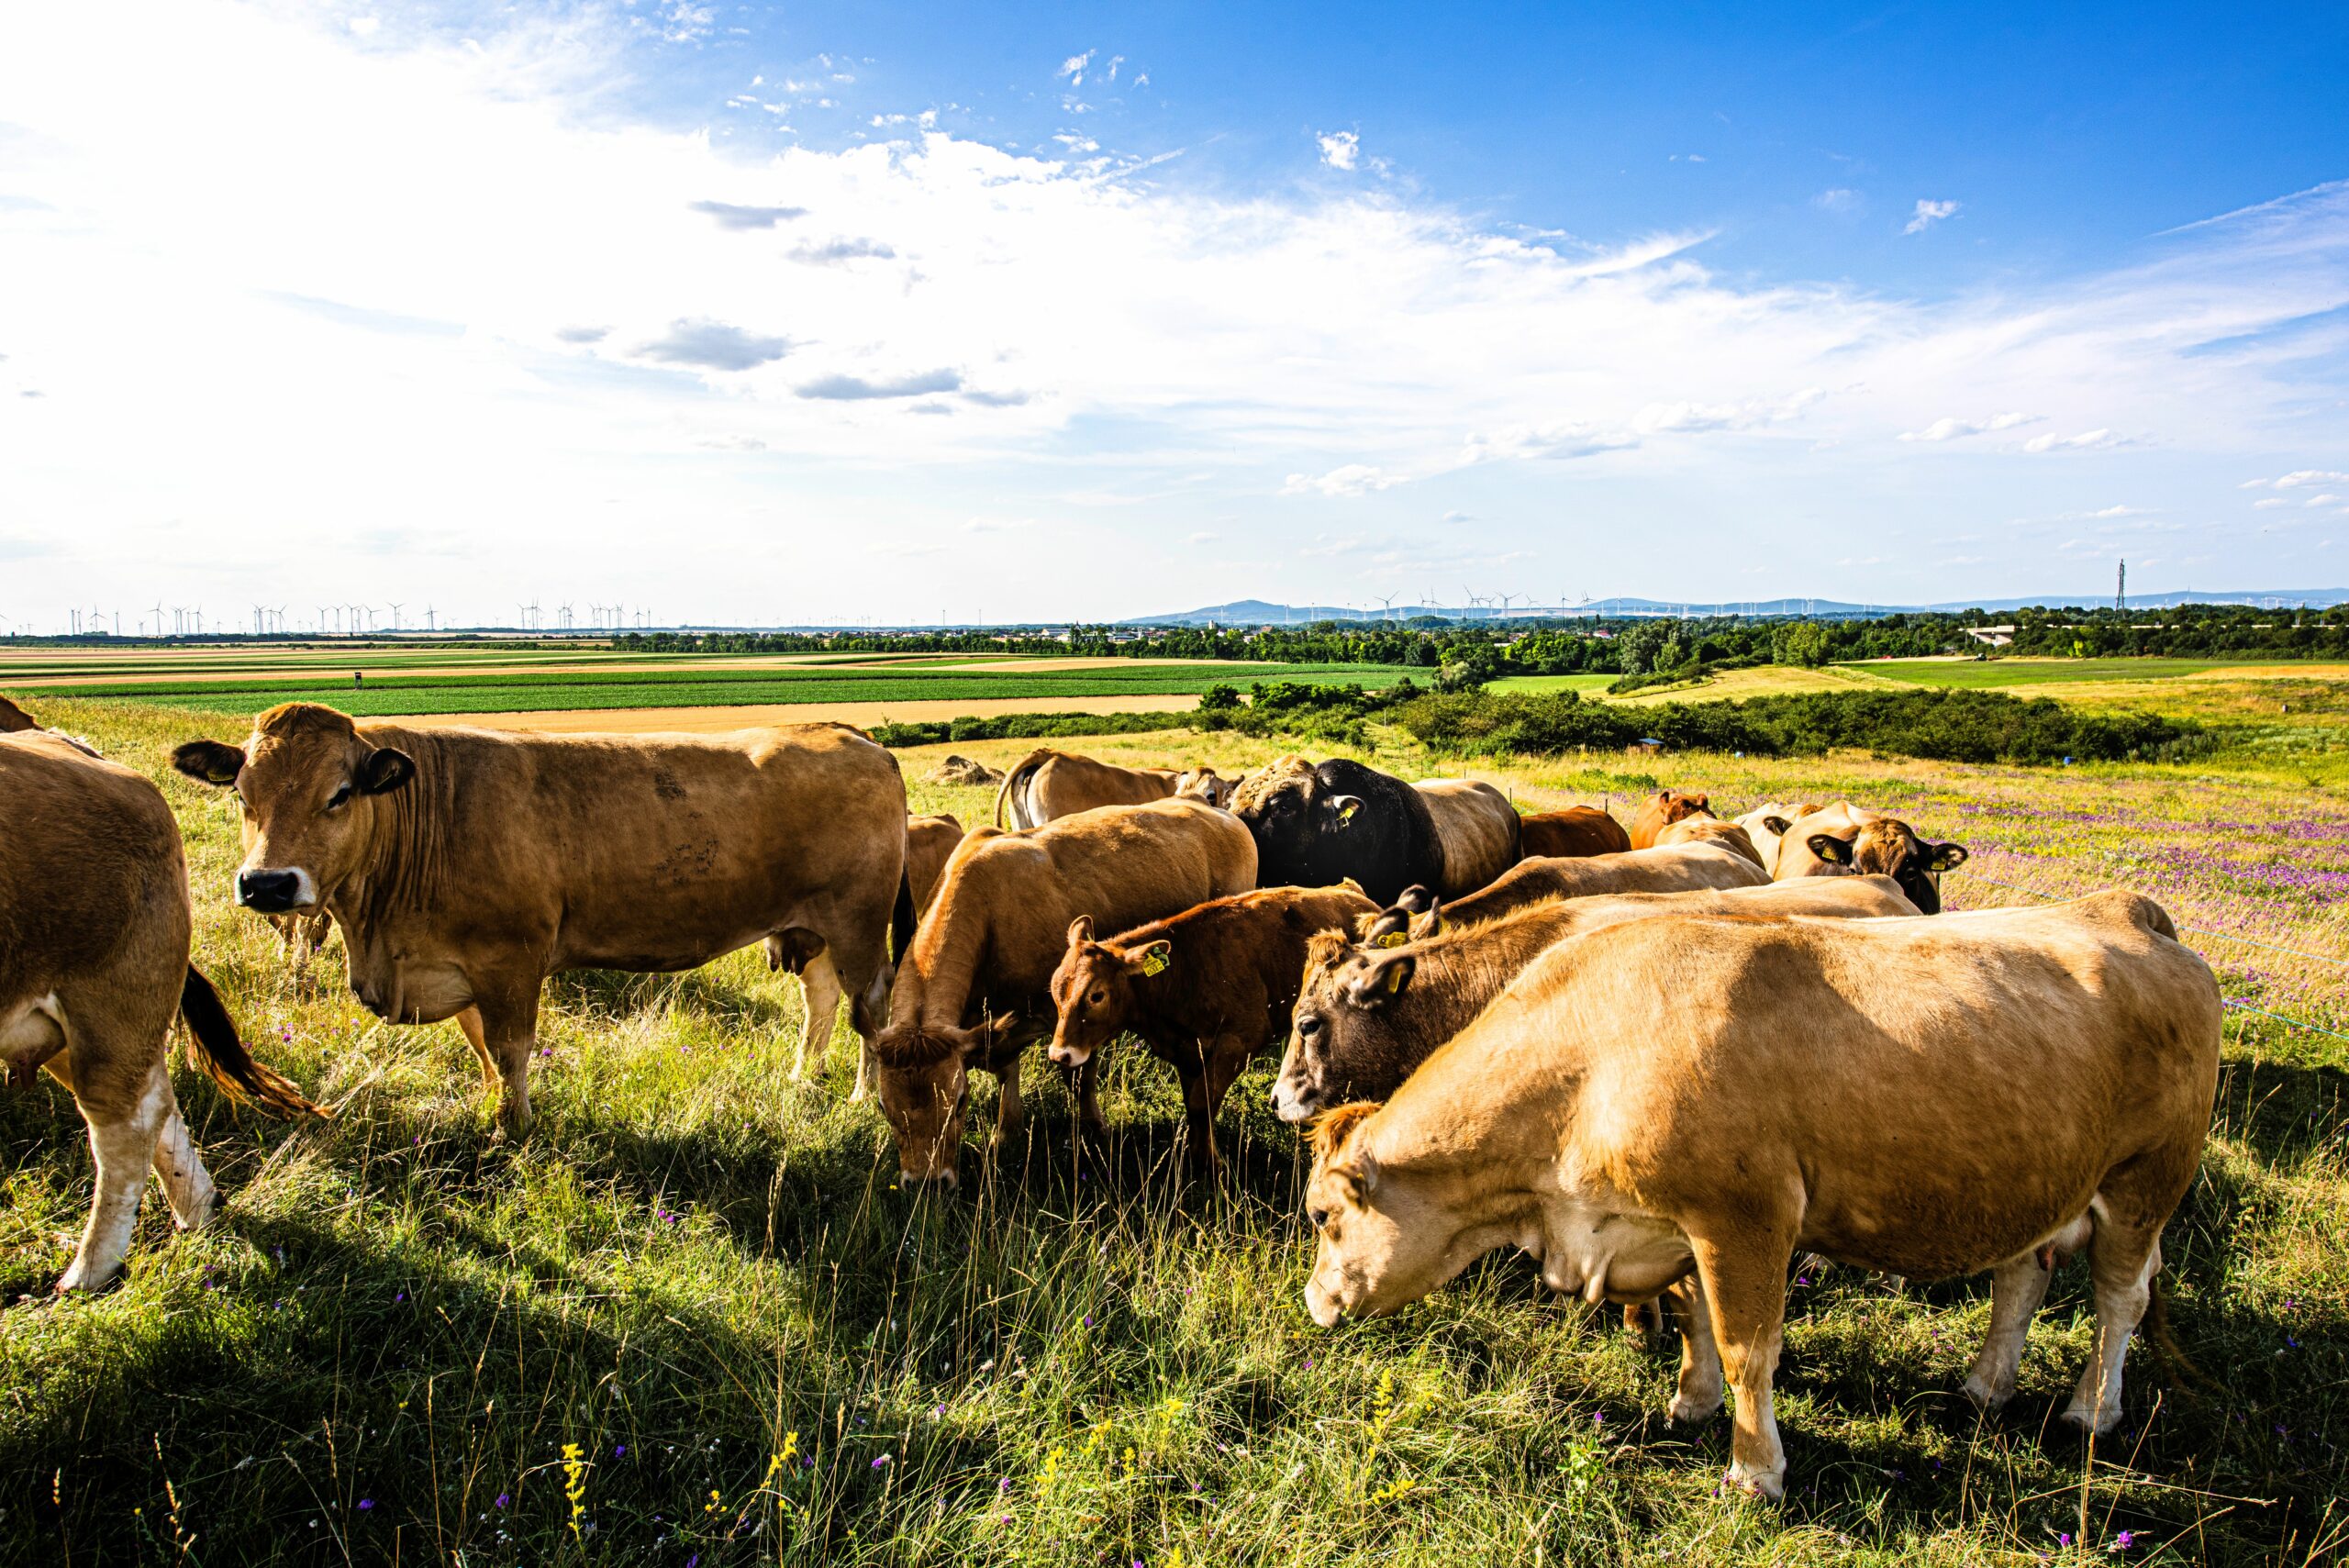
(464, 866)
(1047, 785)
(974, 986)
(1842, 838)
(95, 926)
(1576, 831)
(1476, 831)
(1766, 826)
(1367, 1017)
(1711, 830)
(1697, 1093)
(1674, 868)
(1205, 989)
(1660, 810)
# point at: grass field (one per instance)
(693, 1269)
(2001, 673)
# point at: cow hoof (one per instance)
(206, 1210)
(1986, 1396)
(1689, 1411)
(2090, 1422)
(1767, 1485)
(862, 1092)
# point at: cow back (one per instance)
(1576, 831)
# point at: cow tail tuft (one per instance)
(901, 919)
(222, 1054)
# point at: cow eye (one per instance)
(1309, 1026)
(1098, 998)
(339, 798)
(1320, 1218)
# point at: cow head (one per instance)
(924, 1086)
(13, 718)
(1206, 785)
(1671, 806)
(1093, 990)
(1334, 1040)
(309, 785)
(1887, 847)
(1290, 810)
(1380, 1242)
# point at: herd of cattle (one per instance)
(1662, 1061)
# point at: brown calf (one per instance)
(1206, 990)
(1660, 810)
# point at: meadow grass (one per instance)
(690, 1320)
(2019, 672)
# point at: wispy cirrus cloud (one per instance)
(1949, 428)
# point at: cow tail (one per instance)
(901, 919)
(223, 1056)
(1015, 780)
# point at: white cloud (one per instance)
(2119, 512)
(1947, 429)
(2325, 500)
(1340, 149)
(2086, 441)
(1353, 479)
(2296, 478)
(1928, 212)
(1074, 67)
(365, 27)
(1839, 199)
(2270, 504)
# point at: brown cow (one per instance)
(1715, 1094)
(1766, 826)
(1660, 810)
(974, 985)
(464, 866)
(1576, 831)
(1674, 868)
(1047, 785)
(1368, 1015)
(14, 720)
(1843, 838)
(1206, 990)
(94, 926)
(1476, 831)
(1711, 830)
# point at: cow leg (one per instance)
(1084, 1086)
(868, 1012)
(469, 1024)
(1698, 1395)
(2016, 1290)
(509, 1024)
(1011, 1116)
(1744, 1280)
(186, 1183)
(122, 1148)
(2122, 1261)
(819, 991)
(1204, 1087)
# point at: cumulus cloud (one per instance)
(1340, 149)
(856, 389)
(1074, 67)
(698, 340)
(2296, 478)
(1353, 479)
(994, 399)
(1950, 429)
(729, 215)
(2086, 441)
(833, 252)
(1928, 213)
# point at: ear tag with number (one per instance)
(1153, 963)
(1393, 940)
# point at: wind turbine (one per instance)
(395, 614)
(428, 618)
(1386, 607)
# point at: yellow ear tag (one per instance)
(1153, 963)
(1394, 940)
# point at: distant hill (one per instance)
(1262, 612)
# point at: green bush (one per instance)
(1023, 725)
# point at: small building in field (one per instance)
(1646, 746)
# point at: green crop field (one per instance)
(695, 1300)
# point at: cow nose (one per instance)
(269, 891)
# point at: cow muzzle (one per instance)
(1292, 1104)
(276, 892)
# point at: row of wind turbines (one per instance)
(325, 620)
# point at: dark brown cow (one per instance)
(1206, 990)
(95, 925)
(1576, 831)
(1660, 810)
(464, 866)
(975, 985)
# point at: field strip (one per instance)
(716, 720)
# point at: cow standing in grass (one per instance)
(974, 986)
(1319, 825)
(94, 929)
(464, 866)
(1048, 785)
(1205, 989)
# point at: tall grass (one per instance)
(692, 1268)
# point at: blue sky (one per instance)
(897, 311)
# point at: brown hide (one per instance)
(1205, 989)
(1369, 1015)
(1047, 785)
(1711, 830)
(1929, 1098)
(464, 866)
(929, 843)
(1476, 830)
(1677, 868)
(1576, 831)
(1660, 810)
(974, 986)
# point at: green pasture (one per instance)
(691, 1321)
(1985, 672)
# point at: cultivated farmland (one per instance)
(690, 1318)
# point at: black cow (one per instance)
(1316, 825)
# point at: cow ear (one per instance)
(1344, 807)
(1383, 980)
(1701, 802)
(1386, 929)
(210, 761)
(1151, 960)
(1946, 857)
(1359, 1176)
(385, 771)
(1777, 825)
(1415, 899)
(1835, 851)
(1080, 929)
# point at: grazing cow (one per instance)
(1316, 827)
(1206, 990)
(1660, 810)
(1711, 830)
(1674, 868)
(1843, 838)
(1477, 831)
(95, 926)
(1697, 1093)
(1206, 785)
(1046, 786)
(464, 866)
(1367, 1016)
(974, 985)
(1766, 826)
(1576, 831)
